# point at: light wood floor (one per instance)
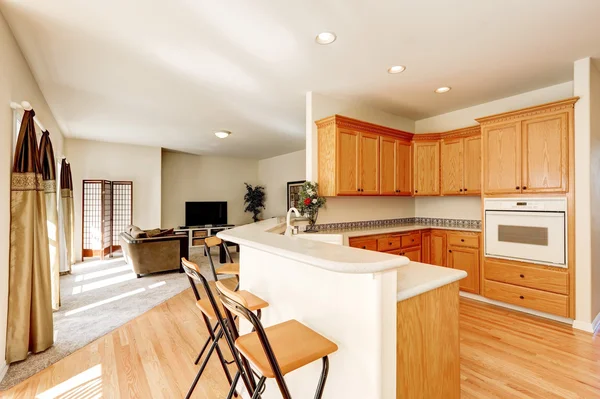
(504, 354)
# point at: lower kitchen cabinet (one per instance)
(426, 247)
(414, 254)
(466, 259)
(437, 250)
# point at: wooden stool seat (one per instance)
(294, 346)
(229, 268)
(254, 303)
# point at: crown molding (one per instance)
(528, 112)
(355, 124)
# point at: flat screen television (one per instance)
(201, 213)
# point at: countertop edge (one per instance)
(419, 279)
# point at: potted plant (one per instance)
(254, 199)
(309, 203)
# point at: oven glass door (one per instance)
(537, 237)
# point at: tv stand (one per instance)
(197, 234)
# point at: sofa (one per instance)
(151, 251)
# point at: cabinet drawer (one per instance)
(463, 240)
(527, 297)
(364, 243)
(527, 276)
(387, 244)
(411, 240)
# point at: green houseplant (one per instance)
(310, 202)
(254, 199)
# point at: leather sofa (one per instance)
(157, 253)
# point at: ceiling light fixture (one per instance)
(396, 69)
(222, 134)
(325, 38)
(442, 90)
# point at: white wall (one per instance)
(274, 173)
(448, 207)
(16, 84)
(110, 161)
(595, 183)
(349, 209)
(187, 177)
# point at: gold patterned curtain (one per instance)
(30, 325)
(68, 211)
(49, 185)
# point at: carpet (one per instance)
(97, 297)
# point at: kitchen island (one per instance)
(395, 321)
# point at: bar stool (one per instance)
(227, 268)
(277, 350)
(212, 310)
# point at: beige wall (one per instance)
(110, 161)
(595, 185)
(448, 207)
(16, 84)
(274, 173)
(187, 177)
(347, 209)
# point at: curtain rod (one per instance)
(25, 105)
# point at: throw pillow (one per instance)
(153, 232)
(165, 233)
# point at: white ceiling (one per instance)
(170, 73)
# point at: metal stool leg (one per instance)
(233, 385)
(323, 378)
(259, 386)
(204, 364)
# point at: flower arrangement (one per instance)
(310, 202)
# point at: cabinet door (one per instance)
(502, 159)
(347, 162)
(452, 166)
(426, 162)
(426, 247)
(438, 248)
(414, 254)
(545, 155)
(403, 168)
(369, 164)
(387, 169)
(472, 165)
(466, 259)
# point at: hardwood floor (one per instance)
(504, 354)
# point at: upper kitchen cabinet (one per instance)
(526, 151)
(360, 158)
(461, 162)
(395, 171)
(426, 166)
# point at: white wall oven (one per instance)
(527, 229)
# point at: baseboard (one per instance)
(588, 327)
(3, 369)
(519, 308)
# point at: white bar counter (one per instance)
(348, 295)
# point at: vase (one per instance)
(312, 220)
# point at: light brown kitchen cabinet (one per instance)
(403, 167)
(394, 166)
(466, 259)
(438, 248)
(452, 166)
(472, 166)
(349, 158)
(426, 167)
(526, 151)
(414, 254)
(426, 247)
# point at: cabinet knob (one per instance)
(416, 191)
(358, 189)
(449, 250)
(517, 187)
(522, 297)
(364, 247)
(462, 240)
(389, 243)
(465, 189)
(522, 275)
(524, 187)
(460, 190)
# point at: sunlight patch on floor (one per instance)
(85, 385)
(156, 285)
(102, 273)
(103, 283)
(103, 302)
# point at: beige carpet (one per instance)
(97, 297)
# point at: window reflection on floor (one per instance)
(85, 385)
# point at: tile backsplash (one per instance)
(464, 223)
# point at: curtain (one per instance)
(68, 211)
(49, 185)
(30, 325)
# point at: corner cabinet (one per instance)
(461, 162)
(526, 151)
(426, 167)
(360, 158)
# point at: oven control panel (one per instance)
(526, 204)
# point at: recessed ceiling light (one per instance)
(441, 90)
(396, 69)
(325, 38)
(222, 134)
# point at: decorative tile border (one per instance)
(464, 223)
